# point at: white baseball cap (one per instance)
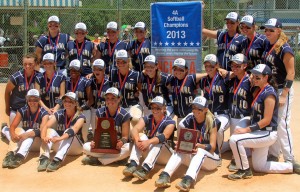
(112, 25)
(48, 57)
(80, 26)
(272, 23)
(150, 59)
(211, 58)
(113, 91)
(122, 54)
(99, 63)
(248, 20)
(70, 95)
(180, 62)
(261, 69)
(158, 100)
(233, 16)
(33, 93)
(239, 59)
(140, 25)
(75, 64)
(200, 102)
(53, 18)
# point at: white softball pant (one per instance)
(93, 119)
(159, 153)
(260, 142)
(201, 160)
(69, 146)
(284, 141)
(106, 158)
(224, 119)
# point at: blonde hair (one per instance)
(282, 39)
(209, 121)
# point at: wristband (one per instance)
(124, 140)
(254, 127)
(161, 138)
(288, 83)
(58, 101)
(85, 107)
(207, 147)
(37, 132)
(70, 132)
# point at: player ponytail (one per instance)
(158, 80)
(209, 121)
(282, 39)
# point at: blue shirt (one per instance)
(80, 89)
(99, 100)
(139, 51)
(32, 121)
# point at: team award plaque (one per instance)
(187, 140)
(105, 136)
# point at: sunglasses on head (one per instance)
(269, 30)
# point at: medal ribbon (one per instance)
(27, 84)
(154, 128)
(248, 48)
(76, 85)
(181, 87)
(269, 52)
(137, 51)
(254, 100)
(100, 88)
(226, 40)
(122, 83)
(150, 85)
(116, 113)
(211, 85)
(67, 124)
(35, 118)
(79, 49)
(236, 88)
(110, 52)
(195, 128)
(48, 83)
(54, 46)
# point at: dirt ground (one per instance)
(73, 176)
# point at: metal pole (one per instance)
(25, 26)
(211, 25)
(120, 15)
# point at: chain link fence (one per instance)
(23, 21)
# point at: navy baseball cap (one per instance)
(200, 102)
(272, 23)
(248, 20)
(233, 16)
(261, 69)
(239, 59)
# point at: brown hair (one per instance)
(31, 55)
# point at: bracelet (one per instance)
(254, 127)
(124, 140)
(161, 138)
(288, 83)
(208, 147)
(70, 132)
(37, 132)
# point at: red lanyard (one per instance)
(56, 41)
(27, 84)
(115, 115)
(110, 52)
(154, 128)
(79, 49)
(236, 88)
(181, 87)
(226, 38)
(100, 88)
(254, 100)
(35, 118)
(138, 50)
(248, 49)
(48, 83)
(122, 83)
(150, 85)
(67, 124)
(74, 88)
(270, 51)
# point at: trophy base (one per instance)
(110, 151)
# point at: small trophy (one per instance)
(187, 140)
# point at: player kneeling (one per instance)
(24, 133)
(158, 130)
(205, 155)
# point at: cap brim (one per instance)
(256, 72)
(27, 96)
(68, 97)
(234, 20)
(248, 24)
(99, 66)
(181, 67)
(76, 68)
(80, 29)
(211, 62)
(198, 105)
(51, 60)
(159, 104)
(141, 28)
(149, 62)
(114, 29)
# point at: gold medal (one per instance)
(149, 100)
(234, 102)
(137, 61)
(227, 54)
(47, 98)
(110, 62)
(209, 101)
(175, 102)
(99, 104)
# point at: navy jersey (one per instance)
(275, 62)
(216, 92)
(32, 121)
(190, 122)
(108, 51)
(121, 116)
(50, 88)
(240, 97)
(18, 94)
(227, 47)
(99, 90)
(83, 52)
(63, 123)
(127, 86)
(253, 49)
(79, 88)
(139, 51)
(151, 88)
(152, 129)
(258, 107)
(183, 94)
(56, 45)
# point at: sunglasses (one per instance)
(56, 26)
(33, 100)
(156, 108)
(244, 27)
(197, 109)
(209, 66)
(257, 78)
(269, 30)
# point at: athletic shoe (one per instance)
(16, 161)
(232, 166)
(141, 174)
(9, 156)
(163, 180)
(2, 126)
(296, 167)
(89, 160)
(272, 158)
(54, 165)
(185, 183)
(44, 162)
(129, 170)
(241, 174)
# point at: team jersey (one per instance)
(120, 117)
(151, 89)
(254, 48)
(240, 97)
(227, 47)
(258, 107)
(19, 92)
(64, 123)
(108, 51)
(99, 90)
(50, 88)
(139, 51)
(275, 62)
(127, 86)
(56, 45)
(79, 88)
(32, 121)
(190, 122)
(216, 92)
(152, 129)
(183, 94)
(83, 52)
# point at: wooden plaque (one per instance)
(187, 140)
(105, 137)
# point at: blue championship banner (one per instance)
(176, 32)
